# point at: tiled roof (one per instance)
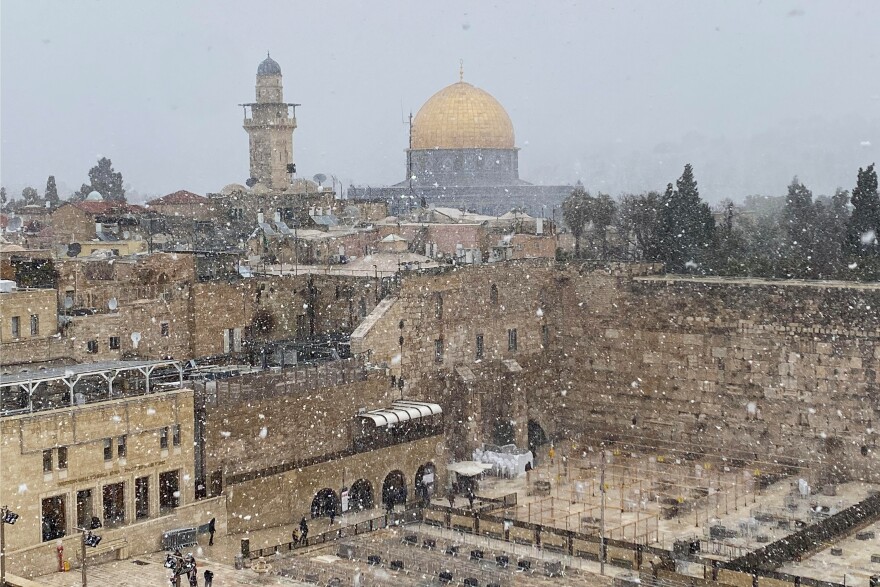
(96, 208)
(179, 197)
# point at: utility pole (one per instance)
(6, 517)
(602, 516)
(88, 539)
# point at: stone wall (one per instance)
(248, 433)
(287, 497)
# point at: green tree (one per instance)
(601, 212)
(30, 196)
(575, 212)
(637, 224)
(104, 180)
(864, 223)
(799, 223)
(51, 194)
(686, 227)
(727, 253)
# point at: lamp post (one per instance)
(7, 516)
(92, 541)
(180, 565)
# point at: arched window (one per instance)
(493, 295)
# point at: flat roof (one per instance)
(72, 371)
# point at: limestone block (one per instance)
(719, 352)
(612, 333)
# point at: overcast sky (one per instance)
(617, 94)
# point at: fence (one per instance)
(362, 527)
(298, 379)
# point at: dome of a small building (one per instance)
(269, 67)
(94, 196)
(233, 188)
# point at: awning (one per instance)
(402, 411)
(468, 468)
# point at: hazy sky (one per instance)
(617, 94)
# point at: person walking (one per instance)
(211, 529)
(209, 577)
(332, 515)
(304, 531)
(471, 497)
(294, 537)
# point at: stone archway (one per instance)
(394, 489)
(537, 436)
(360, 496)
(425, 482)
(324, 502)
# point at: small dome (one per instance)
(233, 188)
(462, 116)
(269, 67)
(94, 196)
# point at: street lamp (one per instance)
(92, 541)
(180, 565)
(7, 516)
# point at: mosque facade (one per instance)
(463, 154)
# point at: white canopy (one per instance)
(468, 468)
(402, 411)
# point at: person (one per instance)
(209, 577)
(211, 529)
(451, 498)
(389, 505)
(294, 537)
(552, 454)
(471, 497)
(332, 515)
(303, 531)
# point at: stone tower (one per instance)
(270, 123)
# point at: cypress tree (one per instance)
(686, 226)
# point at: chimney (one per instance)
(260, 218)
(277, 216)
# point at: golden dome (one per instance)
(461, 116)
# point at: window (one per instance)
(35, 324)
(85, 508)
(114, 504)
(493, 295)
(511, 339)
(545, 335)
(438, 307)
(121, 446)
(114, 343)
(142, 498)
(108, 449)
(177, 435)
(165, 329)
(438, 350)
(54, 518)
(479, 353)
(62, 457)
(16, 327)
(47, 461)
(169, 490)
(92, 346)
(163, 438)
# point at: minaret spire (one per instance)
(461, 70)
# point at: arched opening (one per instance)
(503, 432)
(325, 501)
(394, 489)
(424, 482)
(537, 437)
(360, 496)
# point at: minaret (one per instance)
(270, 129)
